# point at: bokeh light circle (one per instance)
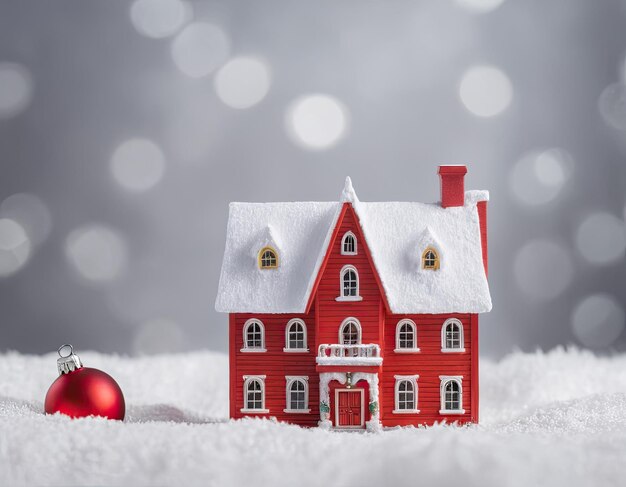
(539, 176)
(96, 252)
(200, 48)
(138, 164)
(481, 6)
(485, 91)
(598, 320)
(158, 336)
(601, 238)
(242, 82)
(31, 213)
(158, 18)
(16, 89)
(612, 105)
(15, 247)
(317, 122)
(543, 269)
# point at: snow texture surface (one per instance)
(397, 233)
(556, 419)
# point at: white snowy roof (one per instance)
(396, 232)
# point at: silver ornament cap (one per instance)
(68, 363)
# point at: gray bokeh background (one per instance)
(91, 80)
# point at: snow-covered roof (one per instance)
(396, 233)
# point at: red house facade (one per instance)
(355, 315)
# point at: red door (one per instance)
(350, 408)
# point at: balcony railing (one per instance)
(335, 354)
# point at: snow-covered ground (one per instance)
(546, 419)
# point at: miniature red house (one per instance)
(351, 314)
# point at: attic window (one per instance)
(268, 258)
(348, 244)
(430, 259)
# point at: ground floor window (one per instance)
(254, 394)
(297, 394)
(406, 394)
(451, 394)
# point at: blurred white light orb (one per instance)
(543, 269)
(16, 89)
(97, 253)
(612, 105)
(242, 82)
(539, 176)
(317, 122)
(601, 238)
(31, 212)
(158, 336)
(158, 18)
(481, 6)
(14, 247)
(200, 49)
(138, 164)
(485, 91)
(598, 320)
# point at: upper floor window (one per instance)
(430, 259)
(349, 284)
(268, 258)
(253, 336)
(406, 394)
(295, 336)
(406, 337)
(452, 336)
(451, 394)
(350, 332)
(297, 394)
(254, 394)
(348, 244)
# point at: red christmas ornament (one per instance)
(82, 391)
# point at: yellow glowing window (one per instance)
(430, 259)
(268, 258)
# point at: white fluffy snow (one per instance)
(396, 232)
(555, 419)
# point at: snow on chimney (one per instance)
(452, 185)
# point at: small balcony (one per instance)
(335, 354)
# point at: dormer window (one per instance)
(268, 258)
(430, 259)
(348, 244)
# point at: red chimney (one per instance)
(452, 185)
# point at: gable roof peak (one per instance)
(348, 195)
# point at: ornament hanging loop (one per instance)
(68, 363)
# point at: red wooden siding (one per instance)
(429, 363)
(275, 364)
(331, 312)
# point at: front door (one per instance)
(349, 408)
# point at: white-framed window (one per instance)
(297, 394)
(452, 336)
(253, 336)
(254, 394)
(451, 394)
(295, 336)
(349, 284)
(406, 394)
(406, 337)
(350, 332)
(348, 244)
